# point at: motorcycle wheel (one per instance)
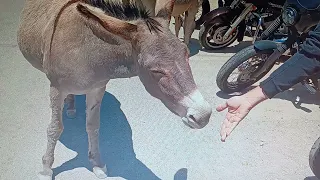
(211, 35)
(248, 61)
(314, 158)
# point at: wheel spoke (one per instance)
(214, 36)
(242, 74)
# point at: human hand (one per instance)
(238, 108)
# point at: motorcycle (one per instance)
(255, 61)
(226, 24)
(222, 3)
(203, 10)
(314, 158)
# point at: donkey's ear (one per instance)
(116, 26)
(164, 8)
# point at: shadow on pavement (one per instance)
(231, 49)
(305, 97)
(224, 95)
(194, 47)
(116, 144)
(311, 178)
(181, 174)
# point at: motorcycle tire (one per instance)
(232, 64)
(204, 30)
(314, 158)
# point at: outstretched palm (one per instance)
(238, 108)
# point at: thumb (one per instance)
(222, 107)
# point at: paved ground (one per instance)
(140, 138)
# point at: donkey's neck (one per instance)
(124, 67)
(120, 60)
(116, 55)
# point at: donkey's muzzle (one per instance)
(198, 111)
(199, 118)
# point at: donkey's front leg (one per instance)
(71, 108)
(189, 23)
(54, 131)
(93, 100)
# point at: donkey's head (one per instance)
(162, 61)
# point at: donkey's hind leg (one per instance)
(177, 24)
(93, 101)
(71, 108)
(54, 131)
(189, 22)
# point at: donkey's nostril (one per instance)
(192, 117)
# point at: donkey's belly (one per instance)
(76, 80)
(80, 87)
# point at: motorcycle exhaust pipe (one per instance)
(249, 7)
(283, 47)
(274, 26)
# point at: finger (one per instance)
(223, 136)
(234, 119)
(222, 107)
(223, 131)
(227, 129)
(231, 128)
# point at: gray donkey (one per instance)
(188, 7)
(81, 44)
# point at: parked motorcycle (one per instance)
(224, 25)
(254, 62)
(203, 10)
(314, 158)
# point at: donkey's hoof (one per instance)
(71, 113)
(101, 173)
(45, 175)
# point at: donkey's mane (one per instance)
(126, 12)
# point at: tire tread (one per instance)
(231, 65)
(314, 158)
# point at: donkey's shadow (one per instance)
(116, 144)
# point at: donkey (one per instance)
(188, 7)
(82, 44)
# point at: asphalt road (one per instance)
(140, 138)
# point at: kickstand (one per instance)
(311, 89)
(315, 82)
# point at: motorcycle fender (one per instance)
(215, 13)
(265, 45)
(213, 17)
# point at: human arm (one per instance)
(301, 65)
